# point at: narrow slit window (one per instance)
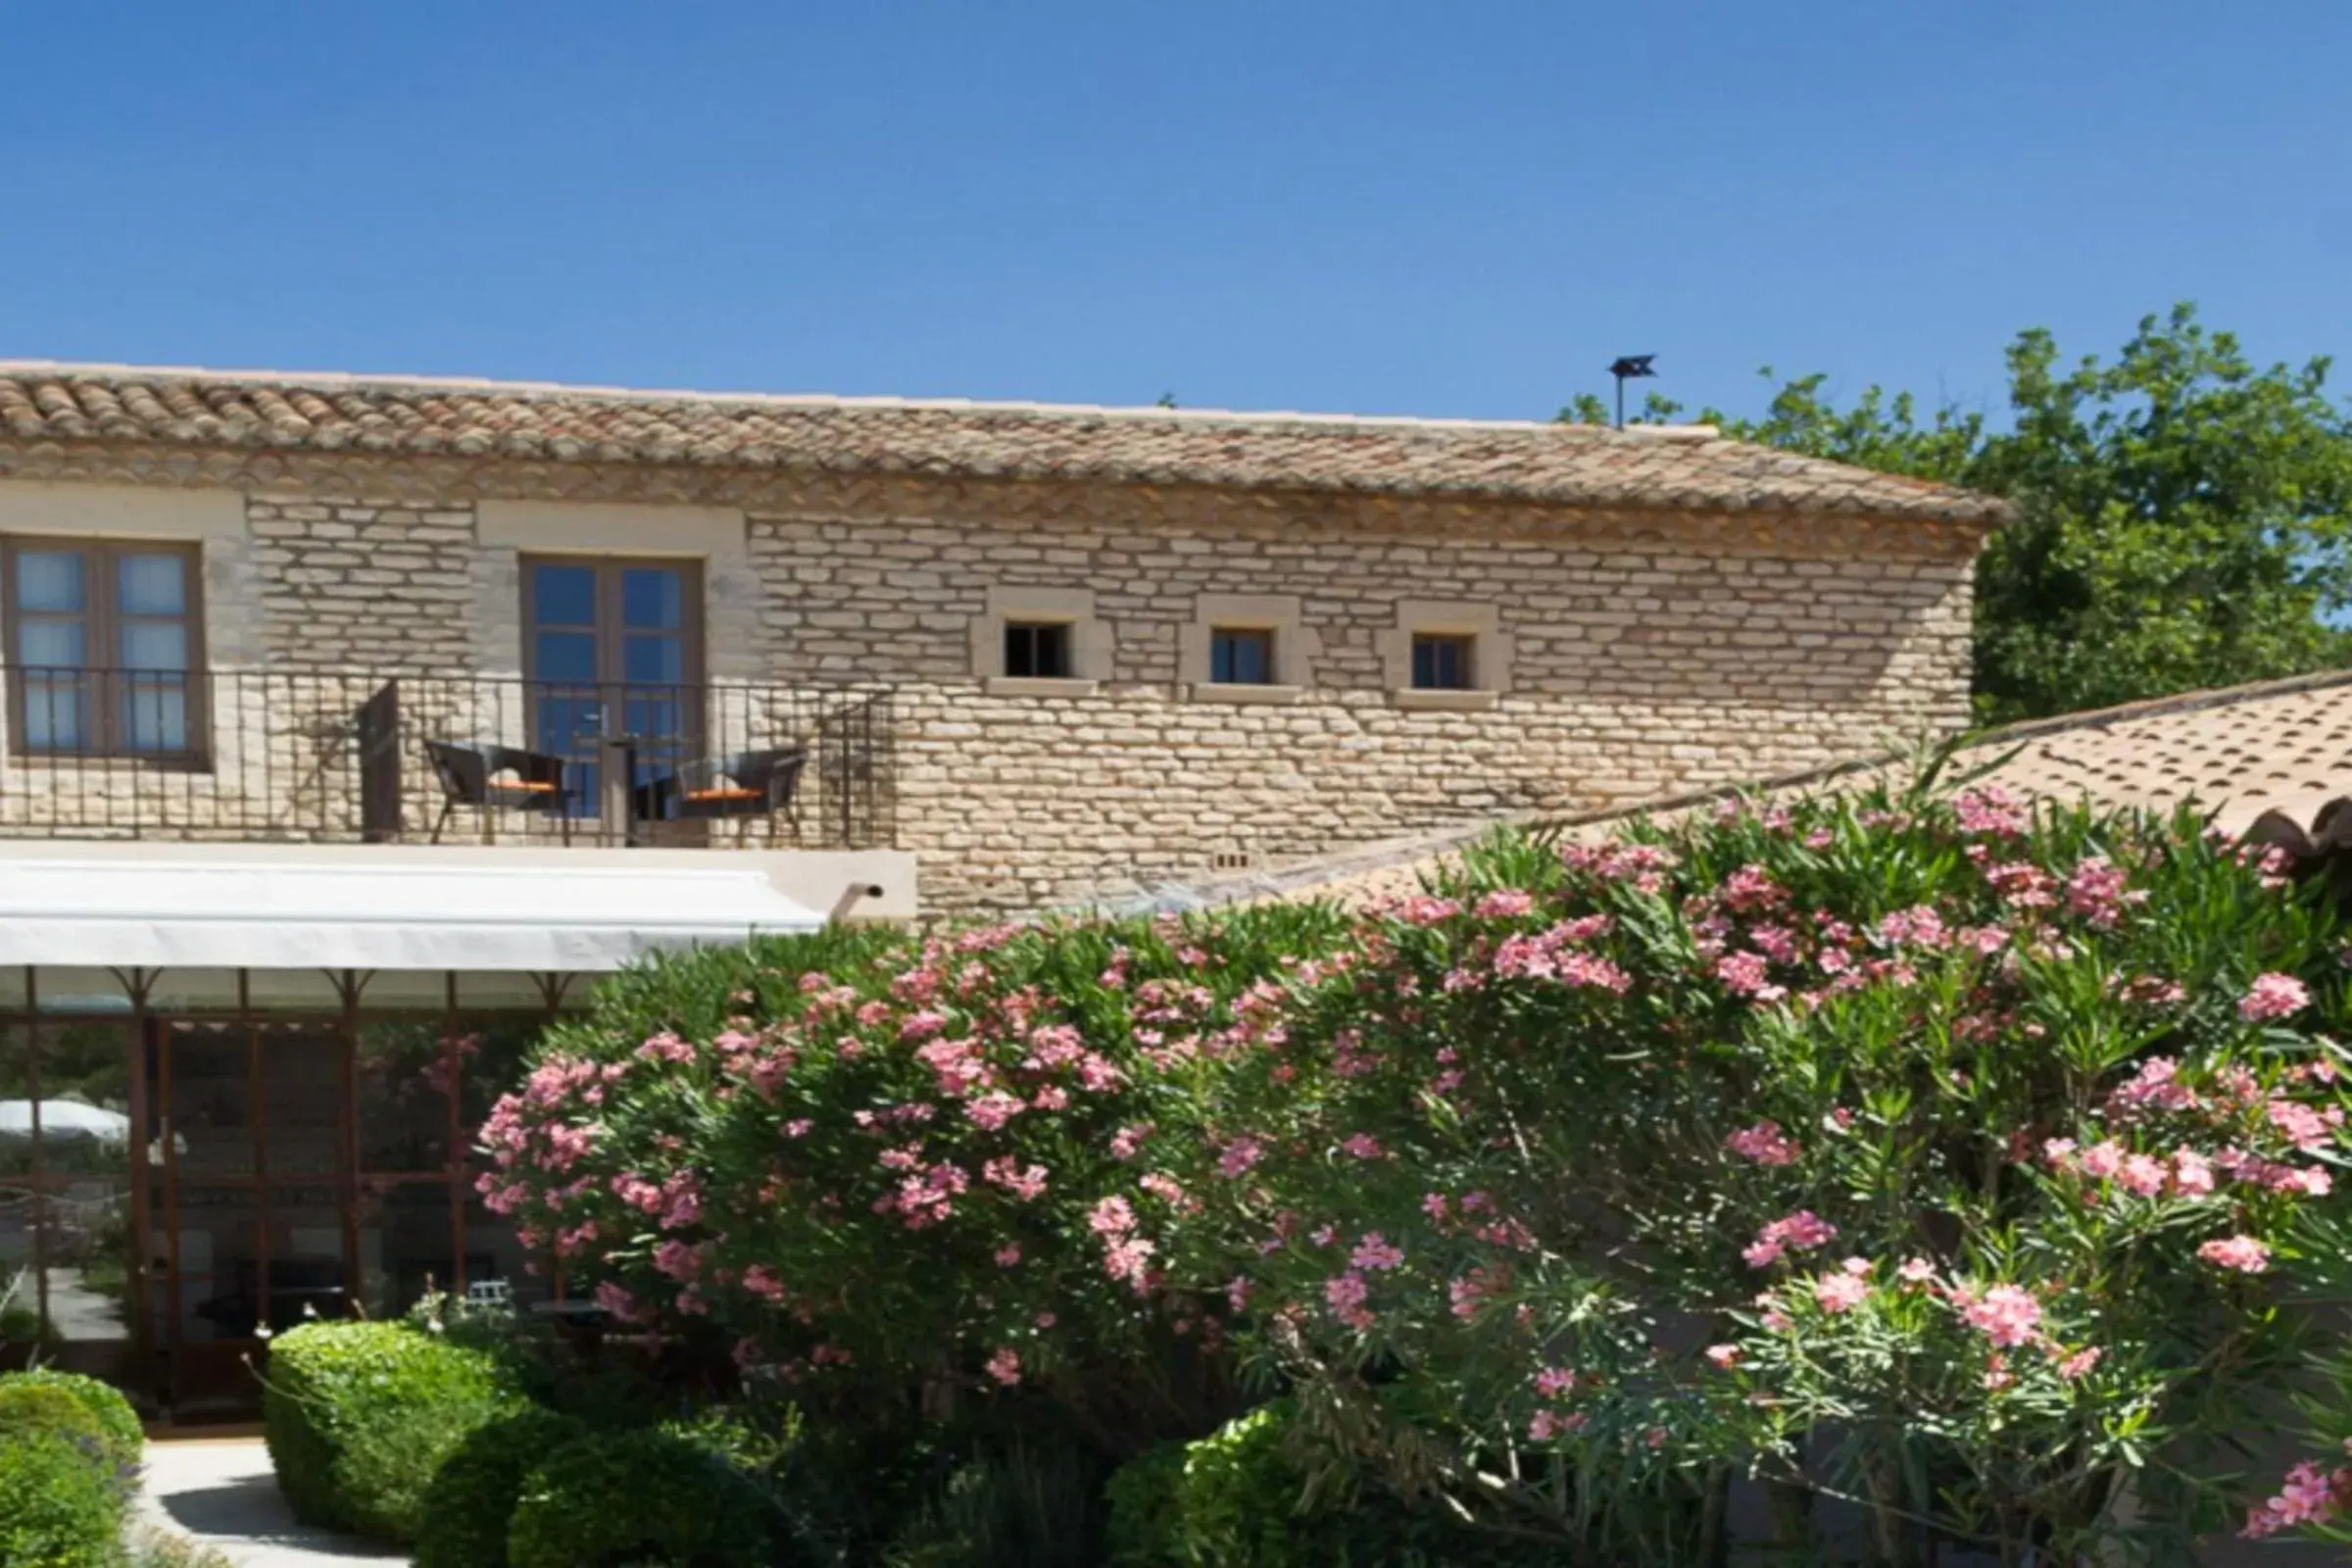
(1441, 662)
(1037, 650)
(1240, 657)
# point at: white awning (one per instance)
(280, 916)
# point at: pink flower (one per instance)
(1765, 1144)
(1724, 1356)
(760, 1280)
(1344, 1294)
(1024, 1184)
(1239, 1155)
(1363, 1146)
(798, 1127)
(1801, 1230)
(2078, 1364)
(1743, 974)
(1374, 1251)
(1919, 926)
(2274, 995)
(2192, 1177)
(1751, 889)
(994, 1109)
(1555, 1381)
(1128, 1141)
(2103, 1159)
(1008, 1254)
(1504, 903)
(1005, 1366)
(1915, 1271)
(2142, 1175)
(2241, 1253)
(2095, 892)
(1841, 1292)
(2006, 1314)
(2302, 1126)
(2309, 1496)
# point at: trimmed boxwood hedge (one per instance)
(468, 1507)
(625, 1498)
(359, 1416)
(126, 1434)
(60, 1505)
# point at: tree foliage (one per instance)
(2184, 515)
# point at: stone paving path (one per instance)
(220, 1491)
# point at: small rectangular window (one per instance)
(1241, 658)
(106, 648)
(1441, 662)
(1037, 650)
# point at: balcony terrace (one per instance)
(349, 756)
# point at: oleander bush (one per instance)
(360, 1416)
(1956, 1161)
(870, 1160)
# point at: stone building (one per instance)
(349, 722)
(1116, 646)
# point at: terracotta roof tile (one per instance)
(1672, 466)
(2235, 751)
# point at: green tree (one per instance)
(2184, 517)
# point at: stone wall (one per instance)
(1642, 665)
(1646, 654)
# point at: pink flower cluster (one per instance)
(1765, 1144)
(2006, 1314)
(2311, 1496)
(1745, 975)
(2272, 996)
(1798, 1232)
(2243, 1253)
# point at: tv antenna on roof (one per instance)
(1629, 367)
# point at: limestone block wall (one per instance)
(1645, 660)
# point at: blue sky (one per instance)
(1460, 209)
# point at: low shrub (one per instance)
(126, 1434)
(360, 1416)
(1242, 1498)
(60, 1507)
(160, 1549)
(1036, 1504)
(34, 1410)
(617, 1498)
(472, 1498)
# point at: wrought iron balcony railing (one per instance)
(344, 756)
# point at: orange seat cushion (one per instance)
(534, 785)
(728, 793)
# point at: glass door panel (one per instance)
(614, 658)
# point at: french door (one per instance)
(248, 1207)
(612, 660)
